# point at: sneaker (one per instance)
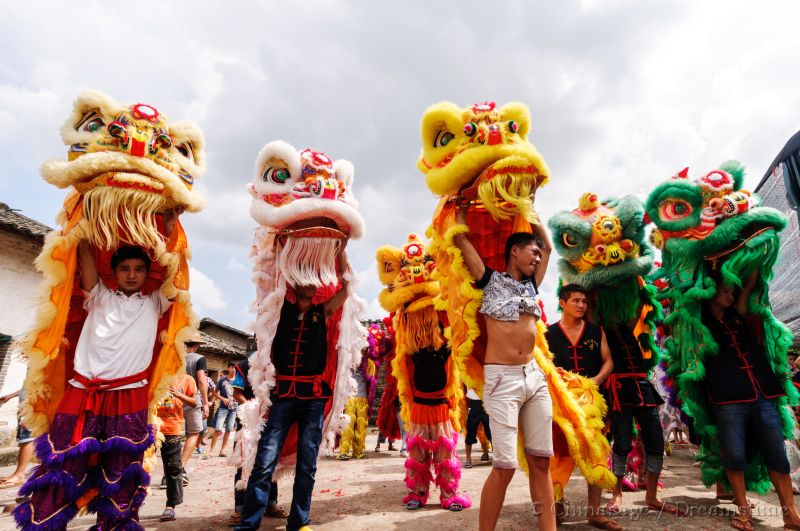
(163, 484)
(343, 457)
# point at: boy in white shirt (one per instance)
(98, 437)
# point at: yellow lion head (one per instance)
(128, 163)
(485, 147)
(406, 273)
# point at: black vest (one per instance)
(300, 348)
(430, 373)
(740, 370)
(628, 379)
(581, 358)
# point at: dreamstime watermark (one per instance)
(686, 510)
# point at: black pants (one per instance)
(238, 495)
(650, 431)
(477, 416)
(173, 469)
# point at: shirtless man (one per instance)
(515, 390)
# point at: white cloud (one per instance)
(235, 265)
(205, 294)
(622, 94)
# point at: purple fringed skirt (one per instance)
(102, 471)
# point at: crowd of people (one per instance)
(577, 344)
(115, 372)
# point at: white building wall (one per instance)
(19, 284)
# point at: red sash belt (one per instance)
(89, 400)
(314, 379)
(613, 384)
(434, 395)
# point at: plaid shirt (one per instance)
(504, 298)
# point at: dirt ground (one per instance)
(366, 494)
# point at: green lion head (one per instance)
(602, 243)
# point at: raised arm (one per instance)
(747, 288)
(547, 248)
(472, 259)
(337, 301)
(87, 267)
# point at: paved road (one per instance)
(366, 494)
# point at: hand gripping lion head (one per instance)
(306, 199)
(128, 163)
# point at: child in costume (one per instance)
(427, 377)
(170, 411)
(359, 407)
(602, 248)
(727, 351)
(99, 363)
(390, 425)
(481, 156)
(308, 329)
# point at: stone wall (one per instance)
(19, 286)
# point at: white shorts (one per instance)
(516, 397)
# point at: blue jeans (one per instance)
(755, 424)
(309, 416)
(225, 419)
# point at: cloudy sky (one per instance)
(622, 94)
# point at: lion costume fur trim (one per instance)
(43, 346)
(578, 409)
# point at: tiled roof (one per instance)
(220, 346)
(205, 321)
(13, 220)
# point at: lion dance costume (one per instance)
(603, 249)
(126, 166)
(427, 377)
(711, 225)
(359, 407)
(481, 155)
(387, 420)
(304, 203)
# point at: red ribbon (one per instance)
(612, 384)
(433, 396)
(315, 379)
(89, 398)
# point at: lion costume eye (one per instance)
(674, 209)
(91, 123)
(443, 138)
(275, 175)
(470, 128)
(569, 240)
(186, 151)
